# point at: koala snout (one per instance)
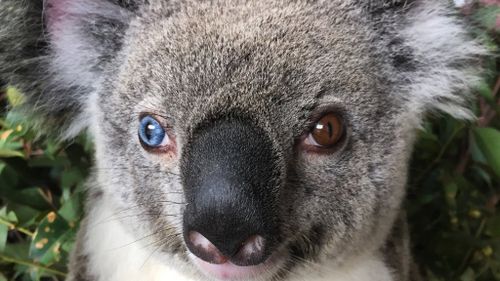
(230, 187)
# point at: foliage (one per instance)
(41, 199)
(453, 197)
(454, 189)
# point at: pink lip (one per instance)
(230, 271)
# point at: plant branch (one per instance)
(14, 227)
(488, 113)
(32, 264)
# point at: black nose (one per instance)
(230, 183)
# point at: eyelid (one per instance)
(164, 121)
(322, 110)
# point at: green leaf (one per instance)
(488, 140)
(2, 166)
(69, 179)
(26, 215)
(18, 250)
(7, 153)
(468, 275)
(33, 197)
(9, 177)
(485, 91)
(48, 161)
(72, 209)
(10, 216)
(51, 233)
(14, 97)
(487, 16)
(4, 231)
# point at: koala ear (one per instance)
(435, 56)
(56, 52)
(445, 60)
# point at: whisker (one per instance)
(154, 203)
(142, 214)
(138, 240)
(316, 267)
(136, 168)
(117, 219)
(150, 255)
(160, 242)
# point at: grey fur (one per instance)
(279, 63)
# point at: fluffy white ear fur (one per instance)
(77, 52)
(448, 59)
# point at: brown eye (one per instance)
(326, 132)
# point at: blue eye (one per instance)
(151, 133)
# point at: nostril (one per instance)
(252, 251)
(204, 249)
(253, 245)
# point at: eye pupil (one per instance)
(330, 130)
(150, 131)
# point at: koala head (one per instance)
(248, 137)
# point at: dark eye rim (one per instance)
(316, 116)
(167, 130)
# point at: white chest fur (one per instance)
(115, 255)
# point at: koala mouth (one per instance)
(231, 271)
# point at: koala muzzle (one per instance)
(230, 187)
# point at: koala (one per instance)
(241, 139)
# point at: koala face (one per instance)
(241, 97)
(249, 138)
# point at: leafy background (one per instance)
(453, 197)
